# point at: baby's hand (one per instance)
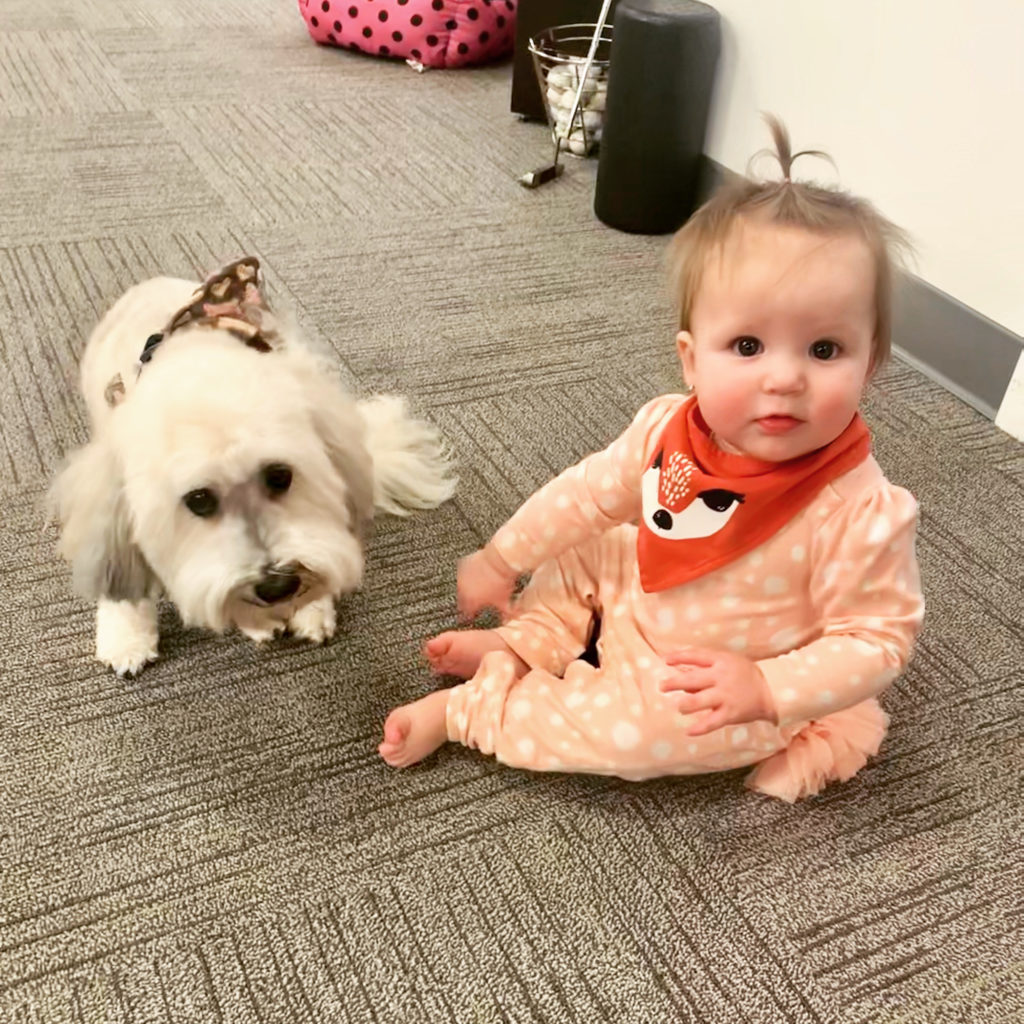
(728, 688)
(484, 579)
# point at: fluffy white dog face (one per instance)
(228, 468)
(242, 482)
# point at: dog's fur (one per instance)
(209, 413)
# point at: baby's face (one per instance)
(780, 340)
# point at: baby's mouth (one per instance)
(778, 424)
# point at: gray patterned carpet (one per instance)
(217, 840)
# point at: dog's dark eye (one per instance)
(719, 499)
(201, 502)
(277, 478)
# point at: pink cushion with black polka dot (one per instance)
(437, 33)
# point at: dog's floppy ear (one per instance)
(88, 501)
(341, 432)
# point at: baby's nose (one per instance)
(784, 375)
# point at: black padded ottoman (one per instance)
(660, 81)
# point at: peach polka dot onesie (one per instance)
(828, 608)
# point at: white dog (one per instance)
(227, 468)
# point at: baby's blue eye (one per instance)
(824, 349)
(747, 346)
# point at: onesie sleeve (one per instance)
(866, 588)
(586, 499)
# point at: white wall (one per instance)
(921, 105)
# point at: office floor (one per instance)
(217, 840)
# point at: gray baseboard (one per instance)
(954, 345)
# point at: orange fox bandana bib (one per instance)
(703, 508)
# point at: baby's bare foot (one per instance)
(459, 652)
(414, 731)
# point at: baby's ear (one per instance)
(873, 362)
(684, 346)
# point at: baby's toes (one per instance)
(436, 650)
(396, 728)
(393, 747)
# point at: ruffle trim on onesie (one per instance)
(830, 749)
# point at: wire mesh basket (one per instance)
(559, 60)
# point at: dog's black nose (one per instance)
(277, 586)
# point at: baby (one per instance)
(750, 568)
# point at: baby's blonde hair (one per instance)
(828, 211)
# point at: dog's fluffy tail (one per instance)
(412, 466)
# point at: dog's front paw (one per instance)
(126, 635)
(315, 621)
(261, 634)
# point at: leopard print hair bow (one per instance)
(231, 300)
